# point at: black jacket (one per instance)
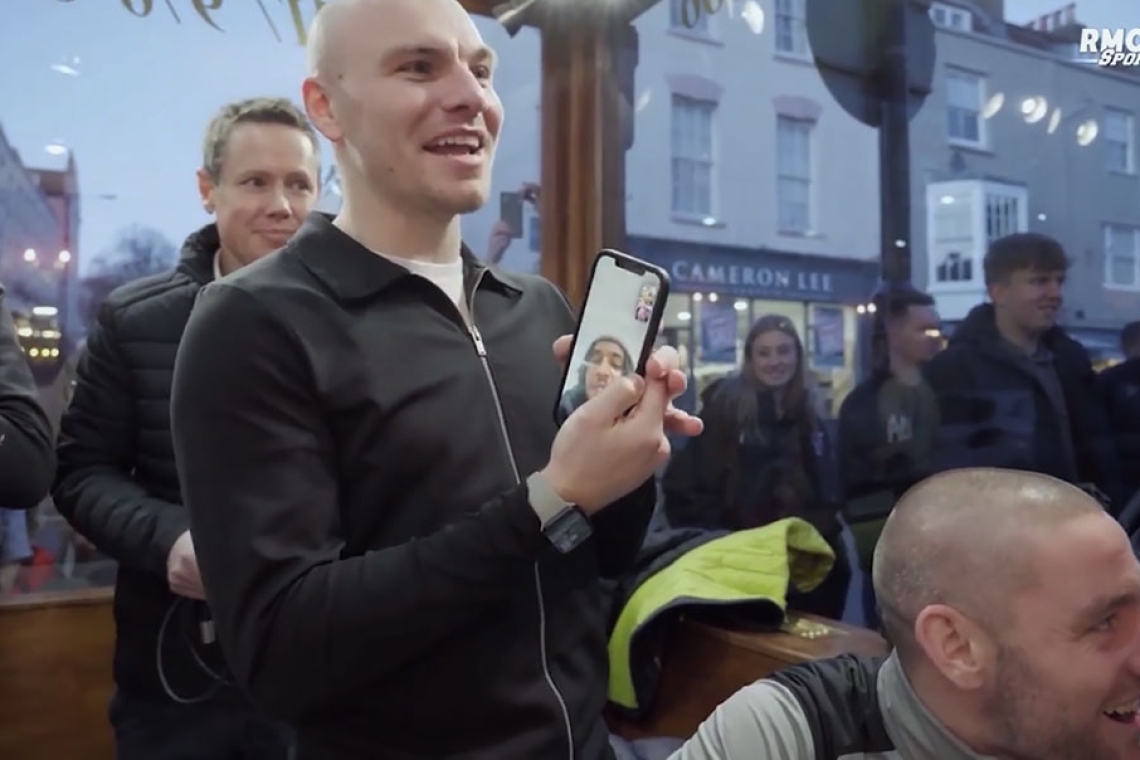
(352, 458)
(27, 459)
(117, 483)
(727, 479)
(1120, 386)
(875, 471)
(996, 413)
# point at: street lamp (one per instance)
(30, 255)
(1033, 110)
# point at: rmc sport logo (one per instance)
(1111, 47)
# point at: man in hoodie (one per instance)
(27, 461)
(1014, 389)
(117, 483)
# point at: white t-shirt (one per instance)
(447, 277)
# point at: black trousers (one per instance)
(220, 729)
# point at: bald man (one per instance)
(1013, 601)
(400, 550)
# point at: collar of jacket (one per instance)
(915, 730)
(197, 259)
(353, 272)
(980, 327)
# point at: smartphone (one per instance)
(617, 329)
(511, 212)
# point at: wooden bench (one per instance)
(55, 676)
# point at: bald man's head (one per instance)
(1013, 600)
(334, 27)
(327, 34)
(403, 91)
(965, 539)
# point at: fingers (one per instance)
(654, 401)
(663, 361)
(562, 349)
(682, 423)
(666, 383)
(616, 398)
(673, 378)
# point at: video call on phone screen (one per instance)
(613, 330)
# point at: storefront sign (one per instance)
(751, 276)
(759, 273)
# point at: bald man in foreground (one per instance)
(1013, 602)
(400, 549)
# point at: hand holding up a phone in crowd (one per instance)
(602, 453)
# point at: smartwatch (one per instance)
(563, 524)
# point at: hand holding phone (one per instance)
(617, 329)
(615, 441)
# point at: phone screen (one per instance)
(617, 330)
(511, 212)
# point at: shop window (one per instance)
(693, 164)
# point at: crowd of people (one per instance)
(347, 525)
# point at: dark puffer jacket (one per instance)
(117, 483)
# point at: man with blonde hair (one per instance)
(117, 483)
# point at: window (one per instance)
(964, 96)
(951, 233)
(1122, 256)
(791, 29)
(793, 174)
(692, 139)
(963, 218)
(955, 267)
(1003, 215)
(950, 17)
(1118, 143)
(691, 10)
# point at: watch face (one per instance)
(569, 530)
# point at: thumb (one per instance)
(562, 348)
(617, 397)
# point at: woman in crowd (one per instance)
(765, 455)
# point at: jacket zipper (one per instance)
(481, 350)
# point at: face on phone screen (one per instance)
(614, 330)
